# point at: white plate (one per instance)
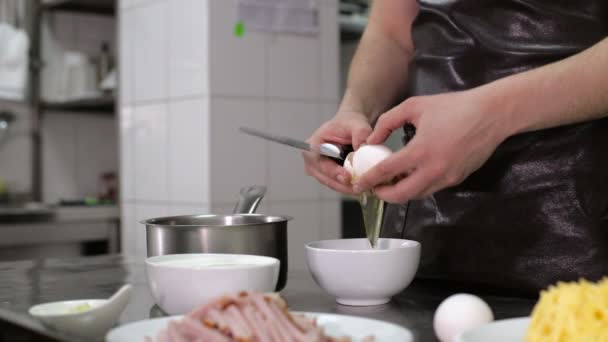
(334, 325)
(506, 330)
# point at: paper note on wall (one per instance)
(280, 16)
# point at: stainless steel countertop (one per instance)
(27, 283)
(37, 213)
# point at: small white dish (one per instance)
(505, 330)
(357, 275)
(86, 318)
(181, 282)
(357, 328)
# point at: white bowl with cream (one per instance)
(357, 275)
(181, 282)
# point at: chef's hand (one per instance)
(454, 136)
(346, 128)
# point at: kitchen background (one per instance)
(116, 111)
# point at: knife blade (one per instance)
(326, 149)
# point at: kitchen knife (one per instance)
(326, 149)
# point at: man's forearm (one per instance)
(378, 74)
(569, 91)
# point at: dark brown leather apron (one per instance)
(537, 211)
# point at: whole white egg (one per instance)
(367, 156)
(458, 313)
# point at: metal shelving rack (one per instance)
(104, 104)
(101, 7)
(98, 7)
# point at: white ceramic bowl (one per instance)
(95, 319)
(181, 282)
(357, 275)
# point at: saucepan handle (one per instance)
(250, 198)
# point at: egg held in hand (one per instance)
(458, 313)
(357, 164)
(362, 160)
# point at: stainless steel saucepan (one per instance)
(243, 232)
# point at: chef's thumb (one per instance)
(395, 118)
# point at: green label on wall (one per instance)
(239, 29)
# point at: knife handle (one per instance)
(409, 131)
(343, 152)
(346, 149)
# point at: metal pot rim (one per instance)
(162, 221)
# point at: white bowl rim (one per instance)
(98, 302)
(411, 244)
(266, 261)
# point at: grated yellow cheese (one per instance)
(574, 311)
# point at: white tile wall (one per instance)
(237, 65)
(189, 151)
(225, 208)
(150, 51)
(293, 67)
(127, 58)
(287, 179)
(329, 51)
(228, 208)
(127, 4)
(274, 82)
(184, 209)
(127, 153)
(236, 160)
(151, 157)
(188, 46)
(144, 211)
(124, 4)
(129, 225)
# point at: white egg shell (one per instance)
(367, 156)
(348, 165)
(458, 313)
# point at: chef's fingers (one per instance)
(399, 163)
(429, 191)
(332, 139)
(327, 166)
(331, 169)
(312, 166)
(360, 135)
(330, 132)
(408, 188)
(442, 183)
(397, 117)
(331, 182)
